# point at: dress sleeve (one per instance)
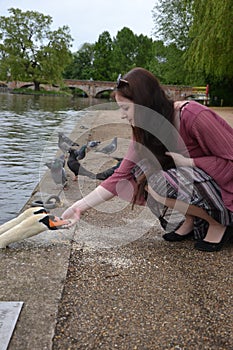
(215, 138)
(121, 183)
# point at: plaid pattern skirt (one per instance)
(194, 187)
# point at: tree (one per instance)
(211, 48)
(130, 50)
(30, 50)
(124, 51)
(108, 57)
(202, 30)
(172, 19)
(81, 66)
(103, 57)
(167, 64)
(143, 51)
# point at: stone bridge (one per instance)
(93, 88)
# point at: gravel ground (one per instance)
(148, 294)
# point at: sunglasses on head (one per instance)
(121, 82)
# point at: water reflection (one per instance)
(27, 122)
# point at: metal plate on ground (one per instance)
(9, 313)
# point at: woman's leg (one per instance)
(215, 230)
(186, 227)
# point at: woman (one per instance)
(184, 157)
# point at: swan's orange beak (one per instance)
(55, 221)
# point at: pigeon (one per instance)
(64, 142)
(59, 160)
(92, 144)
(64, 147)
(106, 173)
(80, 153)
(57, 171)
(119, 159)
(109, 148)
(28, 224)
(66, 139)
(75, 166)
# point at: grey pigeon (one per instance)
(64, 147)
(61, 159)
(57, 171)
(109, 148)
(64, 142)
(92, 144)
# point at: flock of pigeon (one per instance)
(74, 154)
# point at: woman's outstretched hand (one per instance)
(181, 160)
(72, 214)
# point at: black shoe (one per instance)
(215, 247)
(175, 237)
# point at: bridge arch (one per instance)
(102, 91)
(3, 84)
(92, 88)
(26, 85)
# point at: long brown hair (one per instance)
(153, 128)
(154, 114)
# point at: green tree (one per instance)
(102, 62)
(202, 30)
(158, 58)
(172, 20)
(143, 51)
(212, 38)
(81, 66)
(130, 50)
(211, 49)
(168, 64)
(30, 50)
(124, 51)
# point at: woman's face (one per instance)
(126, 107)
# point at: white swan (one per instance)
(31, 226)
(28, 212)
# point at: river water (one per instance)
(27, 124)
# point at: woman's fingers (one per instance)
(180, 160)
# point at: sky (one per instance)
(87, 19)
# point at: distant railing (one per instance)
(4, 89)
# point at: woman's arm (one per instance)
(215, 138)
(97, 196)
(122, 183)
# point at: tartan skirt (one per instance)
(192, 186)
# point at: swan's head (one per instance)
(54, 222)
